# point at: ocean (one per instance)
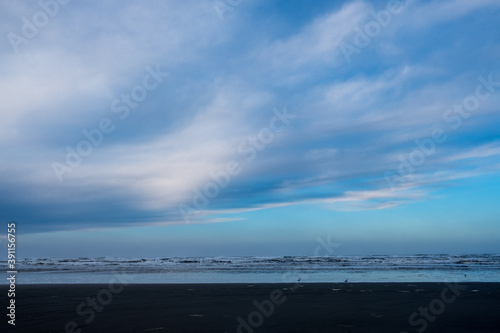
(371, 268)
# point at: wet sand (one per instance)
(318, 307)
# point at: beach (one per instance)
(292, 307)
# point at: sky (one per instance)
(263, 127)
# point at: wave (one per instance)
(261, 264)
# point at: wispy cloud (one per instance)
(225, 77)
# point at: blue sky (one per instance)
(250, 127)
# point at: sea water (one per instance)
(287, 269)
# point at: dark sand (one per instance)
(357, 307)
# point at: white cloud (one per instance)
(318, 42)
(486, 150)
(352, 121)
(421, 15)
